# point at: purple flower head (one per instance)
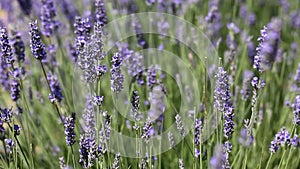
(17, 129)
(151, 76)
(6, 50)
(101, 17)
(14, 90)
(18, 46)
(181, 165)
(116, 163)
(6, 115)
(179, 125)
(223, 102)
(171, 139)
(69, 124)
(117, 77)
(295, 141)
(147, 131)
(56, 92)
(268, 46)
(232, 27)
(198, 127)
(10, 144)
(37, 46)
(82, 31)
(282, 138)
(296, 107)
(88, 151)
(48, 13)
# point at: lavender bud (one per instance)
(117, 77)
(116, 163)
(14, 90)
(56, 92)
(101, 17)
(282, 138)
(69, 124)
(6, 115)
(181, 165)
(10, 144)
(246, 90)
(147, 131)
(198, 130)
(6, 51)
(37, 46)
(179, 125)
(17, 129)
(296, 107)
(171, 139)
(18, 46)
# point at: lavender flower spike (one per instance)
(282, 138)
(101, 17)
(69, 129)
(18, 46)
(37, 46)
(257, 57)
(56, 92)
(296, 107)
(48, 13)
(223, 102)
(6, 50)
(117, 77)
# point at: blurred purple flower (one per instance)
(48, 14)
(117, 78)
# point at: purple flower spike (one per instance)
(69, 124)
(37, 46)
(48, 13)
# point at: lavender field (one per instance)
(149, 84)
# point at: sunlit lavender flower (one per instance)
(6, 114)
(48, 13)
(246, 89)
(282, 138)
(223, 102)
(100, 12)
(171, 139)
(62, 163)
(117, 77)
(14, 90)
(257, 57)
(88, 151)
(180, 163)
(69, 125)
(151, 76)
(37, 46)
(89, 119)
(26, 6)
(56, 92)
(198, 127)
(18, 46)
(82, 31)
(10, 144)
(295, 141)
(17, 129)
(116, 163)
(97, 100)
(296, 107)
(268, 46)
(6, 50)
(179, 125)
(147, 131)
